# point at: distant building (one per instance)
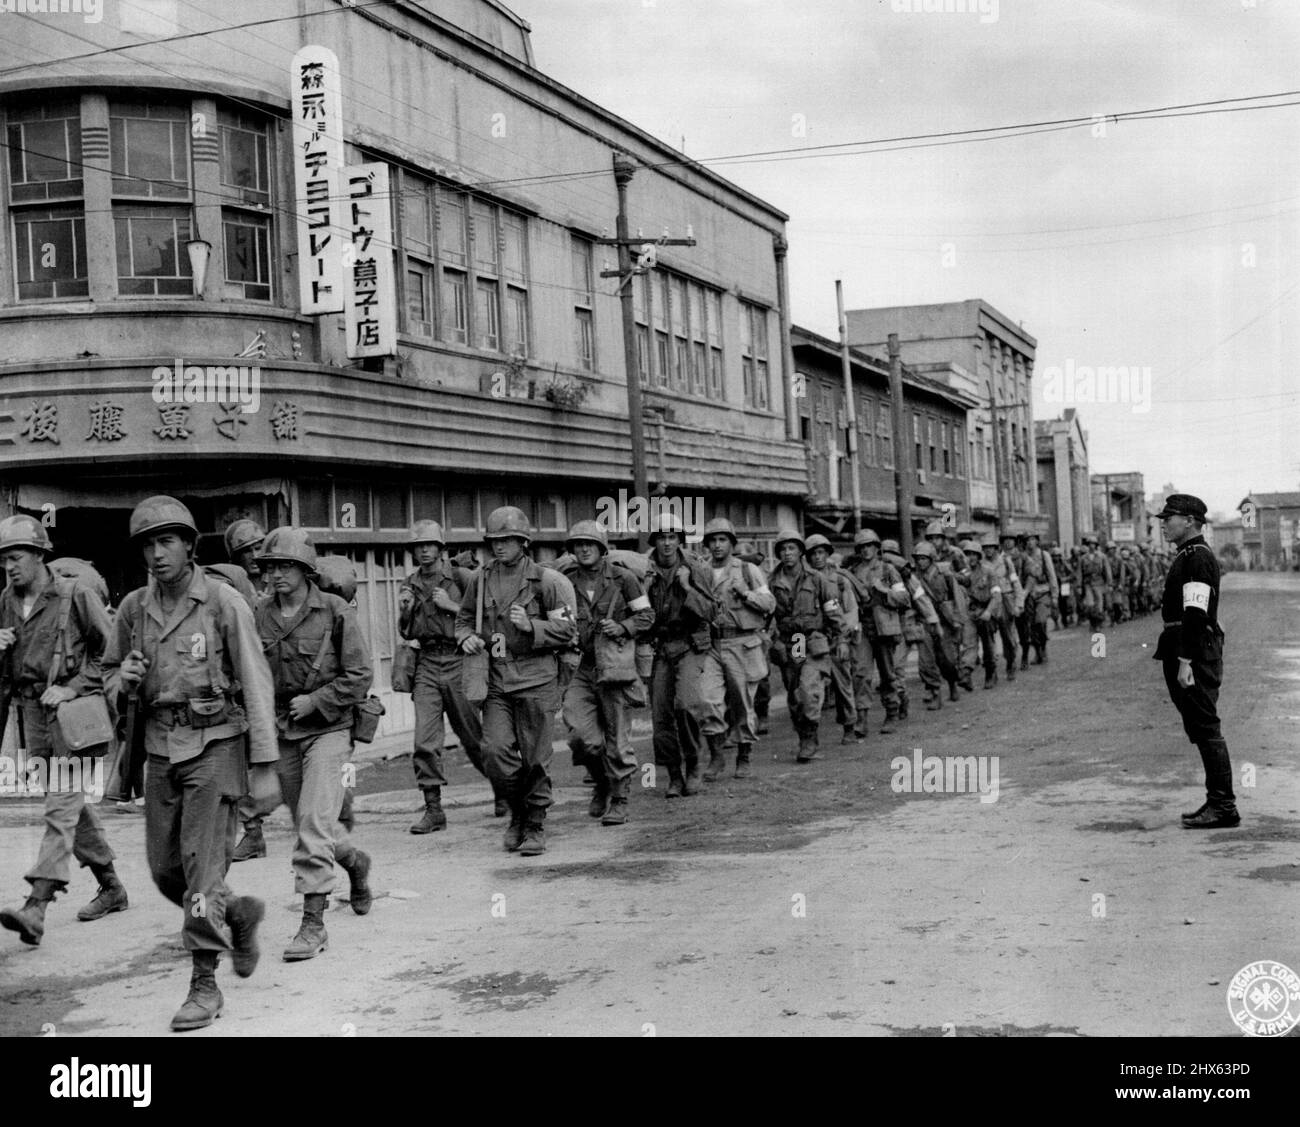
(1064, 491)
(934, 413)
(1119, 509)
(1270, 523)
(993, 357)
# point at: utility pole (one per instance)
(624, 169)
(1105, 478)
(902, 457)
(850, 413)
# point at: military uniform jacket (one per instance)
(807, 602)
(682, 619)
(25, 666)
(846, 588)
(732, 611)
(209, 642)
(921, 612)
(292, 645)
(1038, 575)
(521, 659)
(1013, 595)
(986, 591)
(611, 592)
(425, 622)
(942, 588)
(1094, 569)
(1190, 606)
(883, 593)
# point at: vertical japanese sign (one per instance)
(370, 288)
(317, 157)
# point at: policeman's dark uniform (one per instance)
(1190, 609)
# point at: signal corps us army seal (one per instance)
(1264, 999)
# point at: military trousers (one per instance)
(312, 783)
(934, 659)
(969, 648)
(807, 682)
(988, 631)
(438, 691)
(190, 821)
(518, 729)
(72, 826)
(675, 708)
(884, 650)
(599, 730)
(733, 671)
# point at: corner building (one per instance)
(505, 384)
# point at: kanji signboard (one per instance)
(369, 285)
(317, 157)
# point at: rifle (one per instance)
(125, 779)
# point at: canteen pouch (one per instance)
(754, 653)
(819, 645)
(403, 675)
(207, 712)
(474, 677)
(645, 660)
(365, 719)
(615, 660)
(83, 727)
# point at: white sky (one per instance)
(1128, 249)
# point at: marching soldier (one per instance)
(320, 670)
(884, 596)
(681, 598)
(936, 651)
(809, 627)
(427, 604)
(1191, 648)
(1094, 582)
(951, 560)
(970, 643)
(1042, 589)
(521, 614)
(1118, 594)
(613, 604)
(748, 552)
(1064, 615)
(188, 647)
(987, 608)
(817, 554)
(52, 634)
(738, 659)
(243, 538)
(1013, 599)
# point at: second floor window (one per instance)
(753, 355)
(584, 305)
(246, 200)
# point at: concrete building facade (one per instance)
(506, 380)
(1119, 509)
(1064, 494)
(1270, 530)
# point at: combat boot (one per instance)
(743, 752)
(515, 831)
(860, 728)
(675, 784)
(990, 678)
(890, 724)
(433, 818)
(110, 898)
(934, 703)
(850, 735)
(29, 920)
(243, 914)
(808, 750)
(1024, 658)
(203, 1005)
(311, 939)
(952, 691)
(717, 758)
(500, 801)
(902, 705)
(252, 845)
(691, 783)
(616, 814)
(534, 839)
(760, 724)
(1042, 654)
(600, 796)
(358, 869)
(1011, 669)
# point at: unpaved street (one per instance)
(805, 900)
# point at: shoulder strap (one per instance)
(61, 640)
(325, 644)
(478, 601)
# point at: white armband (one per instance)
(559, 614)
(898, 587)
(1196, 595)
(831, 605)
(641, 602)
(994, 591)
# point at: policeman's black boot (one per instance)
(110, 898)
(29, 920)
(717, 758)
(990, 677)
(1220, 809)
(1011, 666)
(676, 783)
(902, 704)
(203, 1005)
(433, 818)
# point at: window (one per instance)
(867, 429)
(640, 299)
(958, 441)
(516, 321)
(487, 315)
(753, 354)
(714, 333)
(419, 241)
(885, 433)
(246, 192)
(584, 305)
(248, 256)
(419, 298)
(49, 242)
(149, 146)
(947, 457)
(918, 464)
(244, 159)
(930, 427)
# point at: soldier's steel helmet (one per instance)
(426, 532)
(747, 550)
(890, 546)
(508, 521)
(788, 536)
(965, 532)
(816, 540)
(866, 536)
(243, 533)
(935, 528)
(971, 548)
(289, 544)
(923, 548)
(988, 540)
(154, 514)
(22, 531)
(590, 530)
(720, 526)
(668, 522)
